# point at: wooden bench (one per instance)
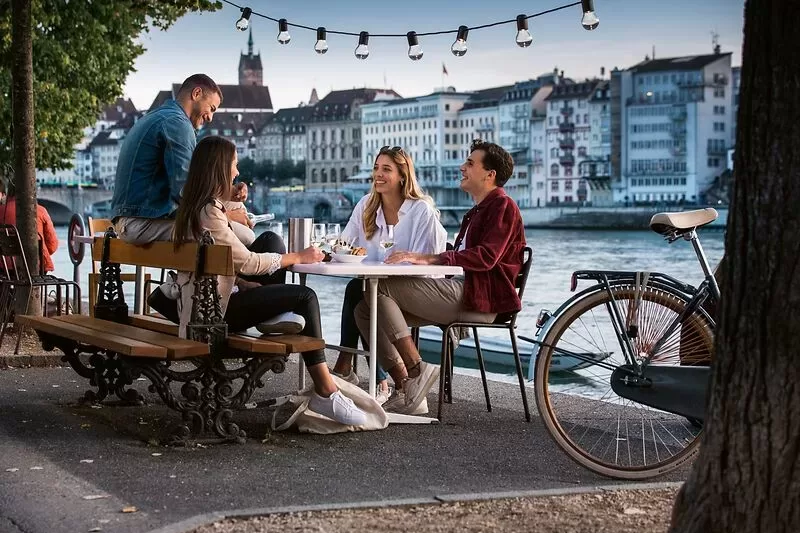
(112, 348)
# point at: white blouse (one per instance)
(417, 230)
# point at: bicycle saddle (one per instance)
(667, 223)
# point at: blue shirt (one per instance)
(153, 163)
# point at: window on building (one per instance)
(554, 186)
(554, 170)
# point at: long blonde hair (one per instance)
(209, 178)
(409, 187)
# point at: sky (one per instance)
(628, 31)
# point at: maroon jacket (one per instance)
(492, 255)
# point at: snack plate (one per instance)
(347, 258)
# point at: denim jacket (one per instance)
(153, 163)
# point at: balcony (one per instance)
(485, 127)
(566, 143)
(566, 127)
(567, 111)
(567, 160)
(521, 113)
(678, 131)
(537, 161)
(677, 114)
(678, 151)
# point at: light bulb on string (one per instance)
(361, 51)
(321, 45)
(283, 32)
(459, 47)
(524, 37)
(589, 20)
(244, 21)
(414, 49)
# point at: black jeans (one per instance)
(273, 243)
(353, 295)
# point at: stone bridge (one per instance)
(62, 202)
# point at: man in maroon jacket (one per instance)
(488, 248)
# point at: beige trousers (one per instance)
(412, 302)
(137, 230)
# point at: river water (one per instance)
(557, 253)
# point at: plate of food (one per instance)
(346, 254)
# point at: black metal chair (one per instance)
(503, 321)
(16, 279)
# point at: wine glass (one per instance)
(318, 235)
(387, 239)
(334, 230)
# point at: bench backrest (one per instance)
(218, 259)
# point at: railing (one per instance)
(566, 127)
(567, 160)
(716, 150)
(567, 143)
(567, 111)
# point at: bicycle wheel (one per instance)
(602, 431)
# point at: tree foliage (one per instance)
(82, 53)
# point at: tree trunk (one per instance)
(747, 476)
(24, 142)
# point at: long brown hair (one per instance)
(409, 187)
(209, 178)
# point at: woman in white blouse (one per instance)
(396, 200)
(211, 174)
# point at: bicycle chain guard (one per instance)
(675, 389)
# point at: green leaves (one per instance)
(82, 53)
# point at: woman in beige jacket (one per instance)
(211, 174)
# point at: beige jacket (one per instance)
(213, 219)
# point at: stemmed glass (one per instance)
(318, 235)
(334, 230)
(387, 239)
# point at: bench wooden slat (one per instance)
(237, 342)
(275, 344)
(219, 259)
(177, 348)
(105, 340)
(293, 343)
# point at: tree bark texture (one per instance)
(24, 141)
(747, 475)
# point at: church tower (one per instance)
(250, 70)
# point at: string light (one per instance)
(589, 21)
(524, 37)
(321, 45)
(361, 51)
(459, 47)
(414, 49)
(244, 21)
(283, 32)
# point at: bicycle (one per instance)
(623, 366)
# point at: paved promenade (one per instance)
(71, 468)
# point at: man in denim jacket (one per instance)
(154, 160)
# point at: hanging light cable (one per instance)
(414, 49)
(283, 32)
(524, 37)
(361, 51)
(459, 47)
(244, 21)
(589, 21)
(321, 45)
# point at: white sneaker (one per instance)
(350, 378)
(170, 287)
(382, 396)
(397, 404)
(283, 324)
(338, 407)
(417, 388)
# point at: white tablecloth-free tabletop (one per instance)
(372, 271)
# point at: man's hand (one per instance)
(312, 254)
(239, 192)
(412, 257)
(240, 216)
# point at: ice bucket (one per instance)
(300, 233)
